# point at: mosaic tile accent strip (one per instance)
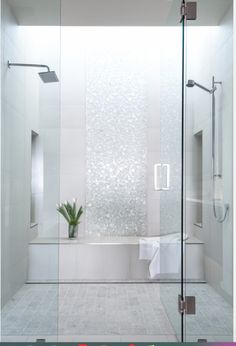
(116, 130)
(171, 135)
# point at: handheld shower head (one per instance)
(191, 83)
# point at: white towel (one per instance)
(170, 258)
(148, 247)
(154, 266)
(164, 254)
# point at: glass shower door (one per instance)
(196, 197)
(131, 104)
(170, 174)
(208, 172)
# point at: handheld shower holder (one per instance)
(216, 171)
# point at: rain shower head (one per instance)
(191, 83)
(47, 77)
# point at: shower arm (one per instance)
(204, 88)
(28, 65)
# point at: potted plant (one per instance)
(72, 215)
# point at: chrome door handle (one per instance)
(158, 177)
(167, 186)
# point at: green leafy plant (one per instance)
(70, 212)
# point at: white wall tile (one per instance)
(20, 114)
(73, 116)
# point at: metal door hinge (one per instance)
(187, 305)
(189, 10)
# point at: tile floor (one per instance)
(214, 315)
(110, 312)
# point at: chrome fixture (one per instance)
(191, 83)
(216, 165)
(216, 170)
(47, 77)
(159, 179)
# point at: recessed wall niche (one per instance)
(198, 176)
(36, 181)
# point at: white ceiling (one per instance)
(113, 12)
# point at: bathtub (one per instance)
(103, 259)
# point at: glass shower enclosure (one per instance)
(139, 130)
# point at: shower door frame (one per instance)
(186, 304)
(181, 296)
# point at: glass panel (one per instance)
(30, 171)
(121, 100)
(171, 180)
(209, 157)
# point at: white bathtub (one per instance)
(100, 259)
